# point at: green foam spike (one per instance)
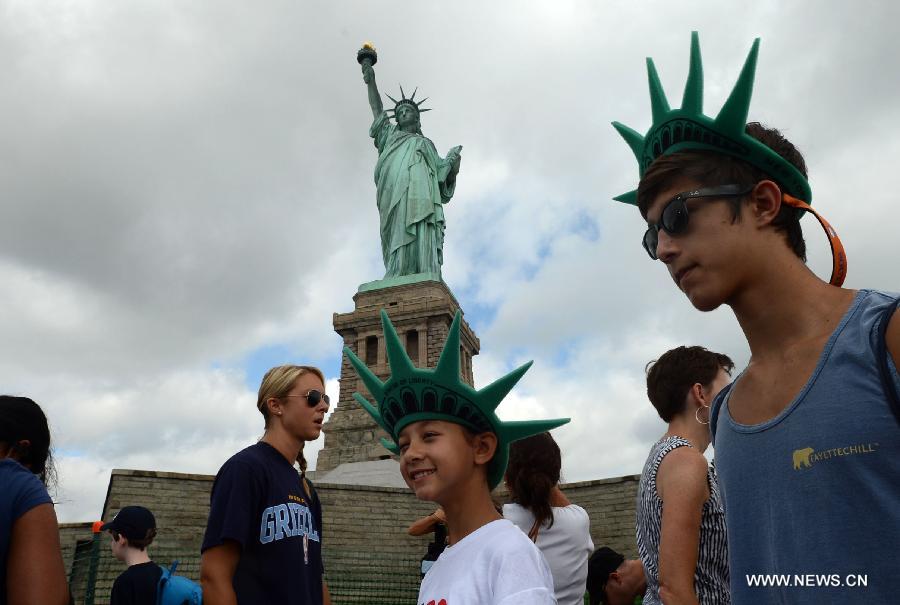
(494, 393)
(447, 368)
(528, 428)
(627, 198)
(375, 386)
(692, 101)
(396, 352)
(371, 409)
(634, 139)
(390, 446)
(658, 101)
(732, 117)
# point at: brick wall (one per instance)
(610, 503)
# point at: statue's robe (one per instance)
(413, 182)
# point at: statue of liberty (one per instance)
(413, 182)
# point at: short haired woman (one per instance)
(680, 521)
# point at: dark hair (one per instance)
(670, 377)
(602, 562)
(21, 419)
(532, 472)
(141, 544)
(713, 169)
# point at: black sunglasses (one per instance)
(313, 397)
(674, 218)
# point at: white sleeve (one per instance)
(524, 576)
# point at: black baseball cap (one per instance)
(603, 562)
(133, 522)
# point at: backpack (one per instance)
(177, 590)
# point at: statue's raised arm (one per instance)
(367, 57)
(412, 180)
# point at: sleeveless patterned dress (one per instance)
(711, 577)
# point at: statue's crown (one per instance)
(411, 101)
(687, 128)
(411, 395)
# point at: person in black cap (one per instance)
(613, 579)
(132, 530)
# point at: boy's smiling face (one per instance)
(439, 459)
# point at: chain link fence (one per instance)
(83, 573)
(372, 578)
(352, 577)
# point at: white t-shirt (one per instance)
(566, 546)
(494, 565)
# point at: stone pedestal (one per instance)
(421, 313)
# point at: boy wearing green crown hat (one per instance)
(807, 438)
(453, 451)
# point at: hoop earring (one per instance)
(697, 414)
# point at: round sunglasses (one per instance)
(313, 397)
(674, 218)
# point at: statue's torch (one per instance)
(366, 56)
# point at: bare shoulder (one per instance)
(682, 474)
(683, 463)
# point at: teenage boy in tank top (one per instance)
(807, 440)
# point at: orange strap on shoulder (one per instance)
(838, 255)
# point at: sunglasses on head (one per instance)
(674, 217)
(313, 397)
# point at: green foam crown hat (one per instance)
(411, 395)
(686, 128)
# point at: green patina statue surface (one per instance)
(413, 182)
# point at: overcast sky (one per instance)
(187, 197)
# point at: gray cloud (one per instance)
(185, 184)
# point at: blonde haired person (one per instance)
(263, 538)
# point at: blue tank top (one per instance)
(812, 496)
